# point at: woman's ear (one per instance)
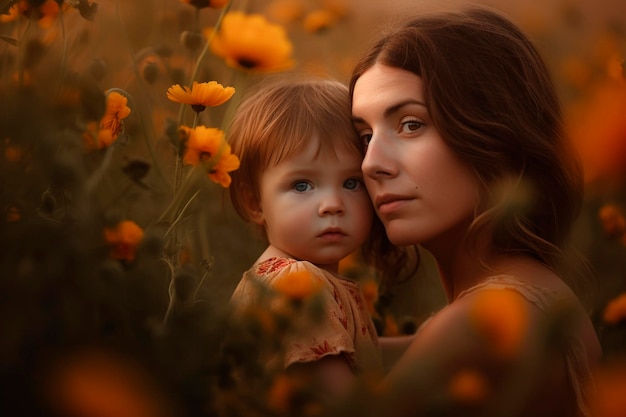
(253, 207)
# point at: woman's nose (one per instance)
(377, 161)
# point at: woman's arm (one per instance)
(392, 348)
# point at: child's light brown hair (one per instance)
(277, 120)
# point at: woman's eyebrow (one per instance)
(392, 109)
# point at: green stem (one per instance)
(181, 213)
(20, 52)
(203, 53)
(181, 112)
(63, 50)
(145, 127)
(241, 81)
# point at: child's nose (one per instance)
(331, 204)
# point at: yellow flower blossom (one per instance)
(123, 240)
(201, 4)
(207, 147)
(250, 42)
(297, 285)
(615, 310)
(501, 316)
(200, 95)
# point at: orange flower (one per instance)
(12, 153)
(251, 43)
(103, 134)
(285, 11)
(201, 4)
(598, 128)
(391, 326)
(369, 289)
(469, 387)
(46, 12)
(200, 95)
(615, 310)
(297, 285)
(613, 221)
(501, 316)
(228, 162)
(13, 214)
(99, 383)
(206, 146)
(123, 240)
(319, 20)
(116, 111)
(607, 391)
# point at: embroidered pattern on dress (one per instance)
(273, 265)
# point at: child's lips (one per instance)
(332, 235)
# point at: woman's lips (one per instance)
(389, 203)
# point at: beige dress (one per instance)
(578, 369)
(345, 327)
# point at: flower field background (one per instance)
(119, 246)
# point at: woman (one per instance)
(466, 156)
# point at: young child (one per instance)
(300, 180)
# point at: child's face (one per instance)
(316, 207)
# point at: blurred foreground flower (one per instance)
(105, 385)
(251, 43)
(201, 95)
(598, 127)
(615, 310)
(608, 399)
(501, 316)
(298, 285)
(207, 147)
(123, 240)
(468, 387)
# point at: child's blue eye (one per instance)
(301, 186)
(352, 184)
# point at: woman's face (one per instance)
(423, 193)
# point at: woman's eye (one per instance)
(366, 138)
(301, 186)
(411, 126)
(353, 184)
